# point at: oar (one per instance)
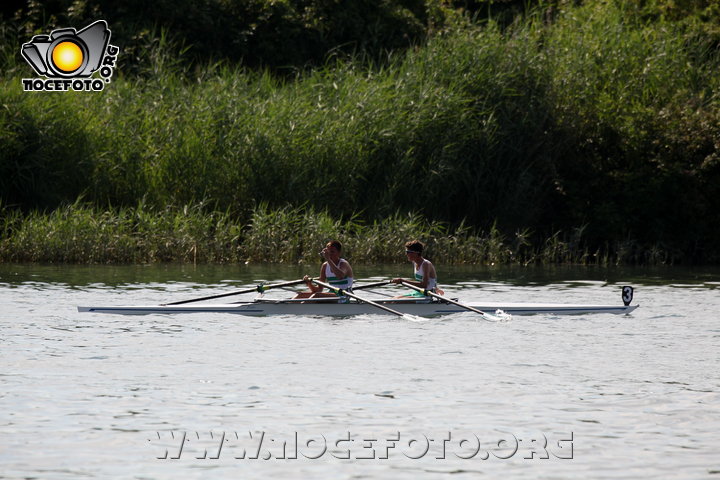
(258, 288)
(339, 291)
(494, 318)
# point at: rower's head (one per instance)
(334, 248)
(414, 249)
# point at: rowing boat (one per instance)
(421, 307)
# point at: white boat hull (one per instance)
(424, 309)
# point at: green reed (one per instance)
(81, 233)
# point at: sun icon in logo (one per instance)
(67, 56)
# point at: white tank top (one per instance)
(341, 283)
(420, 274)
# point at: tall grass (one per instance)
(597, 118)
(80, 233)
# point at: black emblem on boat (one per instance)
(627, 295)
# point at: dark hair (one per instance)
(337, 245)
(415, 246)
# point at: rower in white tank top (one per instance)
(424, 272)
(335, 271)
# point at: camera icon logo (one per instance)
(68, 54)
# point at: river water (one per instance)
(222, 396)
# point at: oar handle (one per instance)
(260, 288)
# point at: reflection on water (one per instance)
(161, 275)
(104, 396)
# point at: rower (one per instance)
(335, 271)
(423, 270)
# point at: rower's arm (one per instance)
(311, 285)
(429, 273)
